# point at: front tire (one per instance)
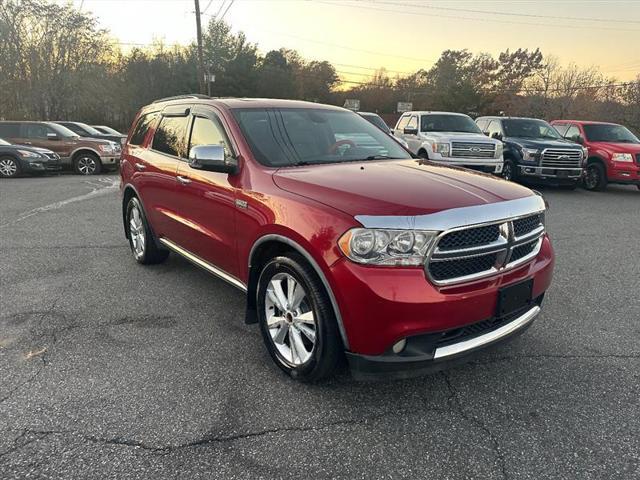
(141, 239)
(9, 167)
(509, 171)
(87, 164)
(595, 178)
(297, 320)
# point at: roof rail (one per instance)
(180, 97)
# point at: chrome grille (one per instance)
(469, 253)
(472, 150)
(561, 158)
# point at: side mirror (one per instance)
(410, 131)
(496, 135)
(52, 136)
(579, 139)
(211, 158)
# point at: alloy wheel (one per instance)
(290, 319)
(136, 232)
(8, 167)
(592, 178)
(87, 165)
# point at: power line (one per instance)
(507, 14)
(456, 17)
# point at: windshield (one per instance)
(62, 131)
(107, 130)
(377, 121)
(604, 132)
(525, 128)
(89, 129)
(448, 123)
(301, 136)
(4, 142)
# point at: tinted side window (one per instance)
(171, 136)
(36, 130)
(74, 128)
(9, 130)
(141, 128)
(207, 132)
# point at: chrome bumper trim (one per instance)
(204, 264)
(511, 327)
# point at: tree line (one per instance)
(57, 63)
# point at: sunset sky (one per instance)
(400, 35)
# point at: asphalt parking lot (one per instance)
(113, 370)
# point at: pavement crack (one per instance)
(455, 405)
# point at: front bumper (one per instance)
(380, 306)
(110, 160)
(625, 173)
(434, 358)
(44, 165)
(554, 174)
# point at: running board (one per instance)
(203, 264)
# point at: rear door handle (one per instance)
(183, 180)
(140, 166)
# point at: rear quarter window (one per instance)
(142, 127)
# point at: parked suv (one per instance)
(84, 130)
(87, 156)
(614, 152)
(343, 247)
(451, 139)
(534, 151)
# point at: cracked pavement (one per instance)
(113, 370)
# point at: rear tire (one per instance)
(9, 167)
(297, 321)
(141, 240)
(87, 164)
(595, 178)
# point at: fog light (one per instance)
(399, 346)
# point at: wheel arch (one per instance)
(267, 247)
(81, 150)
(128, 192)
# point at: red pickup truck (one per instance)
(344, 243)
(614, 152)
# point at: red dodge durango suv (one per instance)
(344, 243)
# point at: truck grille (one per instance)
(469, 253)
(472, 150)
(561, 158)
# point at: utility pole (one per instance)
(200, 60)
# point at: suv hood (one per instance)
(402, 187)
(542, 143)
(34, 149)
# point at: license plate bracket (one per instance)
(514, 298)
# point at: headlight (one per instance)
(386, 247)
(106, 148)
(441, 148)
(28, 154)
(499, 150)
(622, 157)
(529, 154)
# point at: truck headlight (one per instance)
(441, 148)
(386, 247)
(28, 154)
(499, 150)
(108, 148)
(622, 157)
(529, 154)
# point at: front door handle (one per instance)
(140, 166)
(183, 180)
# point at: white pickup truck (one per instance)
(451, 139)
